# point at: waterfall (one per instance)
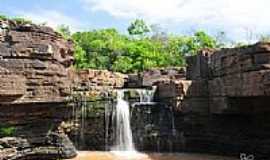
(146, 95)
(121, 115)
(123, 141)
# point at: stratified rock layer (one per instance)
(223, 105)
(34, 62)
(36, 86)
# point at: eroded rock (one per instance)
(30, 54)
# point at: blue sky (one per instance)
(240, 19)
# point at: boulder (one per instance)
(63, 143)
(57, 146)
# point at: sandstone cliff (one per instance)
(34, 62)
(37, 81)
(223, 104)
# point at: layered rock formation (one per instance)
(37, 83)
(149, 77)
(96, 84)
(222, 106)
(219, 105)
(34, 82)
(34, 64)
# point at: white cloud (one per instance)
(232, 16)
(52, 18)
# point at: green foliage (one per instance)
(138, 27)
(144, 53)
(197, 42)
(108, 49)
(3, 17)
(123, 64)
(99, 48)
(23, 21)
(18, 20)
(6, 131)
(80, 57)
(64, 31)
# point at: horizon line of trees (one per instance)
(144, 47)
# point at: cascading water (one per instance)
(146, 95)
(123, 137)
(123, 145)
(122, 133)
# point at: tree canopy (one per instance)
(138, 27)
(109, 49)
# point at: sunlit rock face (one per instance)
(149, 77)
(96, 84)
(34, 84)
(34, 63)
(37, 80)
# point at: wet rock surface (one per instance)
(153, 128)
(90, 122)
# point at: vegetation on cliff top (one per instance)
(143, 48)
(18, 20)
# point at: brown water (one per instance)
(93, 155)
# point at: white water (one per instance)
(124, 141)
(146, 96)
(124, 146)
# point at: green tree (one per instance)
(18, 20)
(198, 41)
(80, 57)
(138, 28)
(23, 21)
(3, 17)
(101, 47)
(123, 64)
(108, 49)
(64, 30)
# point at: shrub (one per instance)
(6, 131)
(20, 20)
